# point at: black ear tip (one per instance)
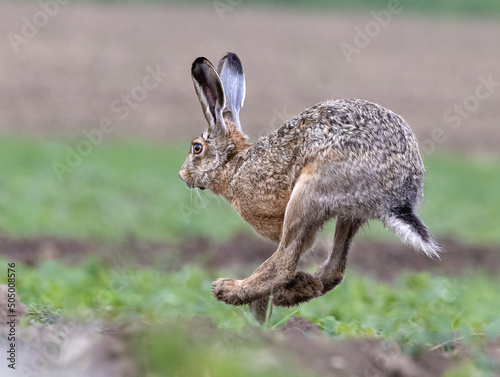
(232, 56)
(233, 61)
(198, 62)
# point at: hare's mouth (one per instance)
(192, 185)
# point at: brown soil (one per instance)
(382, 260)
(68, 349)
(95, 350)
(300, 343)
(358, 357)
(65, 78)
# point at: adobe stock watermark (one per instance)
(389, 355)
(47, 350)
(120, 280)
(31, 26)
(455, 115)
(279, 118)
(372, 29)
(223, 6)
(121, 108)
(425, 316)
(187, 211)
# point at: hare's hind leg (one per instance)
(331, 271)
(304, 216)
(303, 287)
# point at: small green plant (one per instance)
(44, 314)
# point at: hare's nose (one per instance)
(181, 175)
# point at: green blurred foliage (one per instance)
(418, 308)
(456, 7)
(132, 189)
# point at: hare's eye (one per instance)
(197, 148)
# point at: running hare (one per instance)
(348, 158)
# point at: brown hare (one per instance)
(347, 159)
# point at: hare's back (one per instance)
(367, 149)
(358, 129)
(362, 125)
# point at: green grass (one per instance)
(419, 311)
(424, 309)
(132, 188)
(121, 189)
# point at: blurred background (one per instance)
(97, 113)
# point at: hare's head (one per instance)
(221, 94)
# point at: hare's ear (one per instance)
(210, 93)
(233, 81)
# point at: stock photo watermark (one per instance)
(279, 118)
(121, 108)
(48, 351)
(223, 6)
(458, 112)
(425, 315)
(31, 26)
(11, 315)
(372, 29)
(383, 360)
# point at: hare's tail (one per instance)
(412, 231)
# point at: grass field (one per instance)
(132, 188)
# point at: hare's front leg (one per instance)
(303, 218)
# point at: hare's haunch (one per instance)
(347, 159)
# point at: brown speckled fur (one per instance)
(347, 159)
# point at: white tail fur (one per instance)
(413, 232)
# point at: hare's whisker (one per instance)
(217, 199)
(201, 201)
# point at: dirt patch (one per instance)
(99, 349)
(386, 261)
(358, 357)
(35, 250)
(94, 350)
(300, 343)
(382, 260)
(65, 78)
(69, 349)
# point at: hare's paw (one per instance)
(229, 291)
(301, 288)
(328, 279)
